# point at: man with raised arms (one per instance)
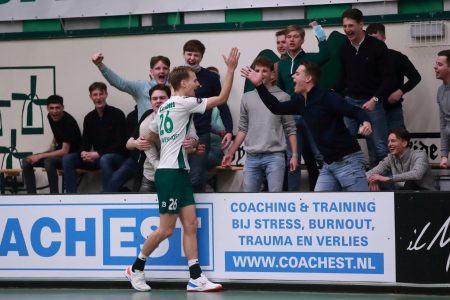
(172, 182)
(324, 111)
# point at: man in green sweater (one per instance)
(295, 37)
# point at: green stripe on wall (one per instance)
(420, 6)
(326, 11)
(119, 22)
(243, 15)
(41, 25)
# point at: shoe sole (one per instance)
(127, 276)
(216, 289)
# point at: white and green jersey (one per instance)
(172, 123)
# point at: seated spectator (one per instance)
(103, 142)
(264, 135)
(66, 139)
(130, 166)
(410, 169)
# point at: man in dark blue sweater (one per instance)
(367, 77)
(193, 51)
(343, 168)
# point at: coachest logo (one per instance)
(418, 244)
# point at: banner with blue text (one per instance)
(290, 236)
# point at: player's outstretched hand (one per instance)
(233, 58)
(252, 75)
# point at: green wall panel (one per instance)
(419, 6)
(159, 19)
(41, 25)
(243, 15)
(119, 22)
(174, 18)
(326, 11)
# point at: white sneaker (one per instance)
(137, 279)
(202, 284)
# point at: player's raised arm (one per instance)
(231, 61)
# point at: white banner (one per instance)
(290, 236)
(11, 10)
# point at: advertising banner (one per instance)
(423, 237)
(294, 237)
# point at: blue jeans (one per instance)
(348, 174)
(377, 141)
(293, 178)
(199, 164)
(51, 164)
(71, 162)
(108, 163)
(270, 164)
(306, 147)
(121, 171)
(215, 156)
(394, 117)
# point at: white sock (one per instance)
(141, 256)
(192, 262)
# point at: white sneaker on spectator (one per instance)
(202, 284)
(137, 279)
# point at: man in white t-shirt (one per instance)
(172, 182)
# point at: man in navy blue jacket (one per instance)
(193, 51)
(343, 168)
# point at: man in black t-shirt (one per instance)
(66, 139)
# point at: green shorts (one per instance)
(174, 190)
